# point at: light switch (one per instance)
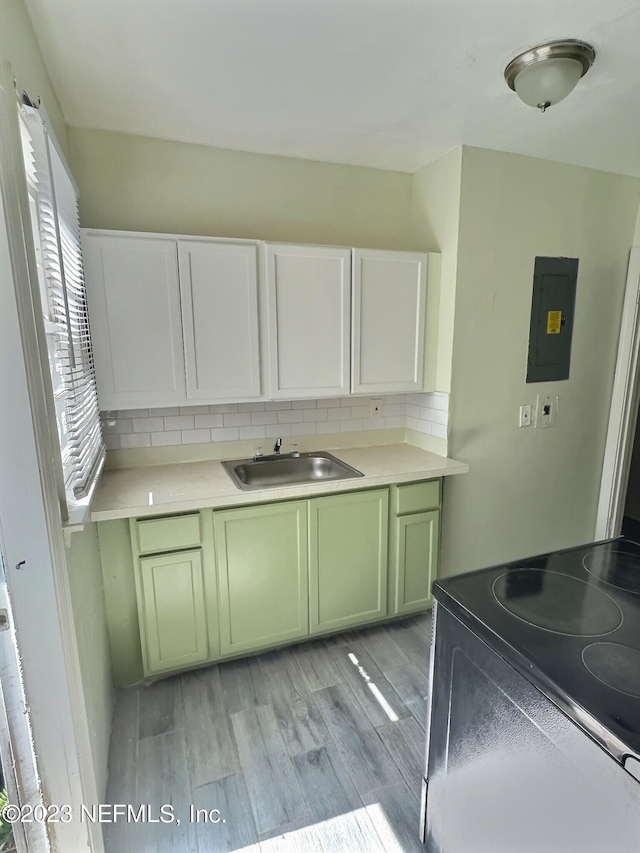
(547, 409)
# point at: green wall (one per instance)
(136, 183)
(120, 602)
(435, 220)
(489, 214)
(530, 490)
(87, 599)
(18, 46)
(636, 238)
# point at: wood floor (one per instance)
(317, 747)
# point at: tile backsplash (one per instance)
(426, 412)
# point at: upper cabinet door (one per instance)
(388, 316)
(219, 292)
(308, 295)
(134, 310)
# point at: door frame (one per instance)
(623, 411)
(19, 763)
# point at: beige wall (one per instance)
(137, 183)
(530, 490)
(435, 218)
(18, 46)
(636, 239)
(87, 598)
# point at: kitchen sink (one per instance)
(287, 470)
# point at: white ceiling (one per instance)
(392, 84)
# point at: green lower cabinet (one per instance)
(347, 560)
(261, 555)
(217, 584)
(414, 547)
(172, 611)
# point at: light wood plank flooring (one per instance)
(316, 748)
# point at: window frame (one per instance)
(65, 349)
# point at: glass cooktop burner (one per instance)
(616, 568)
(557, 602)
(614, 665)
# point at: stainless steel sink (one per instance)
(287, 470)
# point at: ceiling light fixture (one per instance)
(544, 75)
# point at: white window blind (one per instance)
(56, 231)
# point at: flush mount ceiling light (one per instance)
(544, 75)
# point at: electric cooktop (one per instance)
(569, 621)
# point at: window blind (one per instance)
(56, 230)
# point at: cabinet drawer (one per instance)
(416, 497)
(169, 533)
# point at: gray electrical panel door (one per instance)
(552, 307)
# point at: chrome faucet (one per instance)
(258, 457)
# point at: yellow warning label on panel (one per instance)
(554, 322)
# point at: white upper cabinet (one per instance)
(308, 302)
(388, 321)
(177, 320)
(134, 309)
(172, 320)
(219, 291)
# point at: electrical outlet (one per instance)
(376, 408)
(525, 415)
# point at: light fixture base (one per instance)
(565, 49)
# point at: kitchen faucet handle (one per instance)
(277, 445)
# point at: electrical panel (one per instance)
(552, 308)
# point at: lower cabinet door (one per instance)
(261, 554)
(348, 559)
(172, 611)
(415, 560)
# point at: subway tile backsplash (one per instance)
(426, 412)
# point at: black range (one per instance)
(569, 621)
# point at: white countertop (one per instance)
(179, 487)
